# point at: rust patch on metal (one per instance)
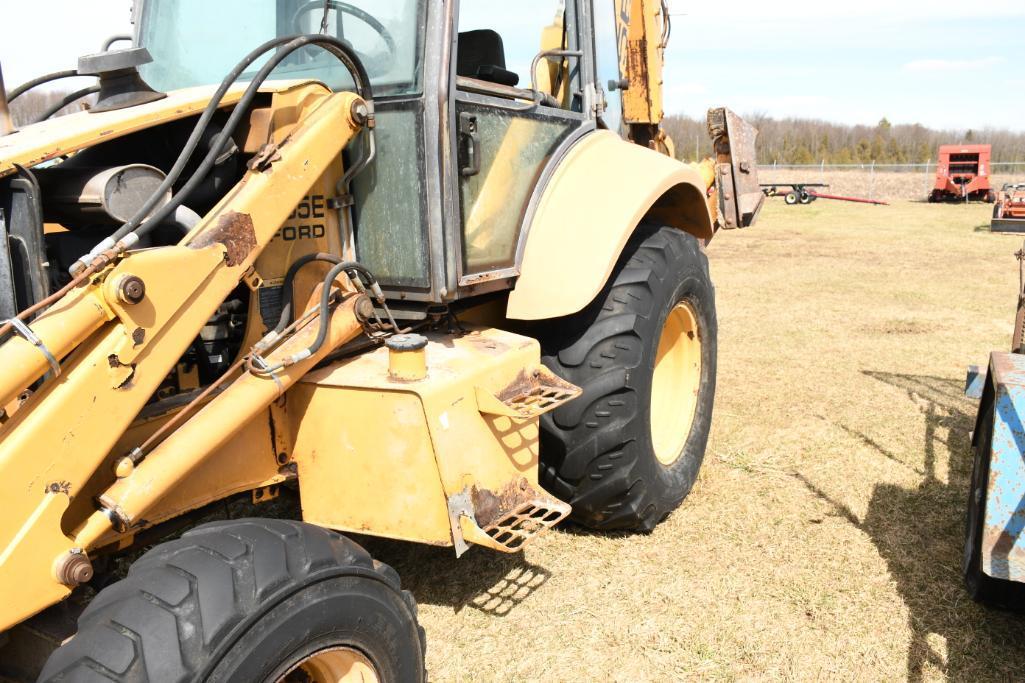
(265, 158)
(638, 66)
(537, 391)
(58, 487)
(489, 507)
(516, 514)
(236, 232)
(524, 384)
(138, 336)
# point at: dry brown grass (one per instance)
(884, 185)
(823, 538)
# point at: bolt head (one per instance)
(74, 568)
(123, 468)
(131, 289)
(364, 308)
(360, 112)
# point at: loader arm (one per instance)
(113, 353)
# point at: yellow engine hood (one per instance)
(57, 137)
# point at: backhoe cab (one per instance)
(428, 268)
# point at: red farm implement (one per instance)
(1009, 210)
(806, 193)
(962, 174)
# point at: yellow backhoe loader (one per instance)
(426, 269)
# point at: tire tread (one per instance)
(589, 450)
(258, 560)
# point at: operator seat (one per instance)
(481, 55)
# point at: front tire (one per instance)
(627, 452)
(249, 600)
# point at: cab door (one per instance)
(521, 97)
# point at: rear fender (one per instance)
(602, 190)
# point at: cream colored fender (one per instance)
(599, 194)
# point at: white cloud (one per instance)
(953, 65)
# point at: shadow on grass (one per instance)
(919, 532)
(491, 582)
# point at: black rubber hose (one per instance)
(195, 138)
(25, 87)
(325, 301)
(240, 110)
(77, 95)
(340, 266)
(339, 48)
(325, 307)
(286, 288)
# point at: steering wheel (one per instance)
(345, 8)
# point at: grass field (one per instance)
(823, 538)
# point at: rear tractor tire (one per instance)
(627, 452)
(248, 600)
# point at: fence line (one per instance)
(926, 169)
(872, 166)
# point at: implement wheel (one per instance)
(792, 198)
(627, 452)
(248, 600)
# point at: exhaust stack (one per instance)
(6, 125)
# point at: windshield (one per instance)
(197, 42)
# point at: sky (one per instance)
(941, 63)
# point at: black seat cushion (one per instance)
(482, 56)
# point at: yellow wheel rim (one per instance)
(675, 383)
(333, 665)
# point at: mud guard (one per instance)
(589, 209)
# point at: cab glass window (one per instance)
(197, 42)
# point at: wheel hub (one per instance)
(675, 383)
(333, 665)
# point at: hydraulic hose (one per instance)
(339, 48)
(286, 288)
(187, 151)
(25, 87)
(216, 147)
(77, 95)
(300, 263)
(323, 310)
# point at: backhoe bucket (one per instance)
(736, 157)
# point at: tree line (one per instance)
(31, 106)
(810, 141)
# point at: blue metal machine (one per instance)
(994, 553)
(994, 559)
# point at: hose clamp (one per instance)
(26, 333)
(268, 371)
